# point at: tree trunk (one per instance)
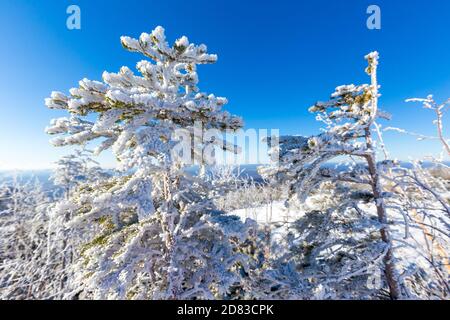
(389, 266)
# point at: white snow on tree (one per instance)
(158, 233)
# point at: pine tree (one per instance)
(158, 234)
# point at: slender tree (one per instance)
(350, 118)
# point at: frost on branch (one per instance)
(35, 252)
(439, 109)
(124, 104)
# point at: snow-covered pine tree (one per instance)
(350, 118)
(158, 234)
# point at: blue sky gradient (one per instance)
(276, 58)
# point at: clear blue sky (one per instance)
(276, 58)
